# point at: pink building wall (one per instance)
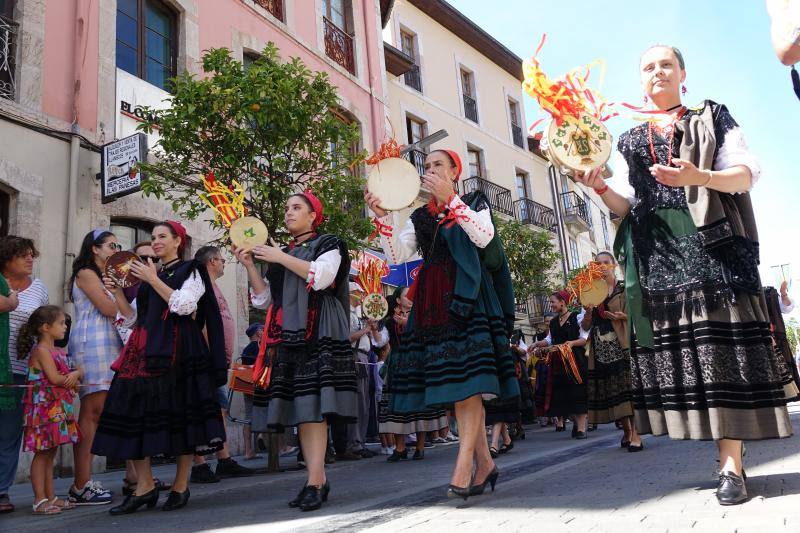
(71, 37)
(216, 19)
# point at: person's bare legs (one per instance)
(400, 443)
(420, 446)
(144, 476)
(631, 435)
(580, 422)
(472, 448)
(314, 443)
(42, 474)
(182, 473)
(496, 431)
(88, 418)
(505, 435)
(730, 456)
(247, 434)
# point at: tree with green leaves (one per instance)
(793, 333)
(272, 127)
(532, 258)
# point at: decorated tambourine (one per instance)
(395, 181)
(227, 203)
(589, 285)
(578, 144)
(248, 232)
(118, 268)
(374, 306)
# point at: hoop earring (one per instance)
(683, 90)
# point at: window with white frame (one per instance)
(468, 93)
(475, 162)
(516, 127)
(573, 254)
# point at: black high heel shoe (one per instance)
(491, 479)
(299, 498)
(459, 492)
(176, 500)
(314, 497)
(133, 502)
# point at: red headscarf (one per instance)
(178, 228)
(456, 161)
(565, 295)
(316, 206)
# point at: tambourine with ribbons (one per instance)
(227, 203)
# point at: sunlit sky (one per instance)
(729, 59)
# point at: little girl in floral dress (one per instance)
(49, 413)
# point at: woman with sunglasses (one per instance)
(93, 344)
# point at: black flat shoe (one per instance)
(505, 448)
(299, 498)
(575, 431)
(176, 500)
(419, 455)
(731, 489)
(315, 497)
(493, 452)
(398, 456)
(133, 502)
(635, 447)
(459, 492)
(491, 479)
(624, 443)
(580, 435)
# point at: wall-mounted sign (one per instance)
(119, 173)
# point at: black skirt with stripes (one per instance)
(712, 372)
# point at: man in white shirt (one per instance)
(364, 336)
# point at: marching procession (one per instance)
(668, 330)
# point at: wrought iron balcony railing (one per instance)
(516, 133)
(575, 208)
(417, 158)
(499, 197)
(275, 7)
(339, 46)
(529, 212)
(413, 79)
(8, 37)
(470, 108)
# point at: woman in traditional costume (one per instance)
(703, 363)
(305, 361)
(566, 370)
(421, 423)
(609, 371)
(163, 398)
(455, 347)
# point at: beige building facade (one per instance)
(459, 78)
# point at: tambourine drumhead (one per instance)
(596, 294)
(579, 144)
(395, 181)
(247, 232)
(118, 268)
(374, 306)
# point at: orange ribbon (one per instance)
(584, 280)
(388, 149)
(454, 215)
(370, 274)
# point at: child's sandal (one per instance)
(64, 505)
(44, 506)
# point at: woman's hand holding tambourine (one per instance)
(593, 178)
(269, 253)
(373, 202)
(244, 256)
(441, 188)
(145, 271)
(110, 285)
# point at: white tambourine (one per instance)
(395, 181)
(579, 144)
(374, 306)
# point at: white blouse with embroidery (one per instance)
(321, 274)
(402, 246)
(734, 152)
(182, 301)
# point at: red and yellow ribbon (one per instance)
(565, 97)
(584, 280)
(227, 202)
(370, 273)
